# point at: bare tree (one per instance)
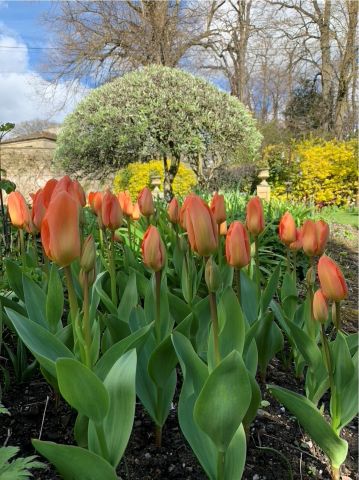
(30, 126)
(103, 39)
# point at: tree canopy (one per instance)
(157, 112)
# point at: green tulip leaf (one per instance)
(75, 463)
(35, 302)
(313, 423)
(82, 389)
(129, 299)
(54, 299)
(270, 289)
(227, 392)
(45, 346)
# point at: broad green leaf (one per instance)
(236, 454)
(120, 384)
(45, 346)
(313, 423)
(178, 308)
(54, 299)
(249, 299)
(135, 340)
(75, 463)
(35, 302)
(307, 346)
(81, 430)
(231, 319)
(289, 288)
(129, 299)
(164, 359)
(227, 392)
(255, 401)
(194, 375)
(103, 295)
(270, 289)
(14, 275)
(82, 389)
(269, 341)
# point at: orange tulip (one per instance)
(173, 211)
(48, 191)
(322, 229)
(331, 279)
(315, 237)
(97, 203)
(255, 216)
(72, 187)
(136, 214)
(153, 249)
(218, 208)
(320, 307)
(111, 212)
(223, 229)
(298, 243)
(201, 227)
(38, 209)
(90, 199)
(126, 203)
(145, 202)
(60, 232)
(310, 241)
(183, 211)
(238, 250)
(287, 229)
(19, 212)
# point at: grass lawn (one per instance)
(342, 217)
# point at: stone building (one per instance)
(28, 160)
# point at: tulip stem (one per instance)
(129, 231)
(74, 308)
(329, 366)
(335, 473)
(214, 315)
(288, 261)
(86, 321)
(258, 281)
(22, 247)
(111, 255)
(338, 318)
(219, 247)
(238, 281)
(295, 267)
(220, 465)
(158, 306)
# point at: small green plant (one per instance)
(18, 468)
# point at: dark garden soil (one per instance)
(276, 443)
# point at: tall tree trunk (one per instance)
(346, 72)
(327, 67)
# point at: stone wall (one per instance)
(30, 165)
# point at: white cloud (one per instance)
(24, 93)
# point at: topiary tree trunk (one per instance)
(170, 171)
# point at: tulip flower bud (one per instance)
(310, 276)
(48, 191)
(331, 279)
(298, 244)
(287, 229)
(111, 212)
(238, 251)
(183, 244)
(322, 229)
(218, 208)
(38, 209)
(223, 229)
(173, 211)
(201, 227)
(88, 255)
(126, 203)
(19, 212)
(60, 232)
(212, 275)
(320, 307)
(136, 214)
(91, 277)
(153, 249)
(255, 216)
(310, 242)
(183, 211)
(145, 202)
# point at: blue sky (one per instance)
(25, 92)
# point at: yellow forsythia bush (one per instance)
(138, 175)
(327, 173)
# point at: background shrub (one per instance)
(138, 175)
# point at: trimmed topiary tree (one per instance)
(157, 112)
